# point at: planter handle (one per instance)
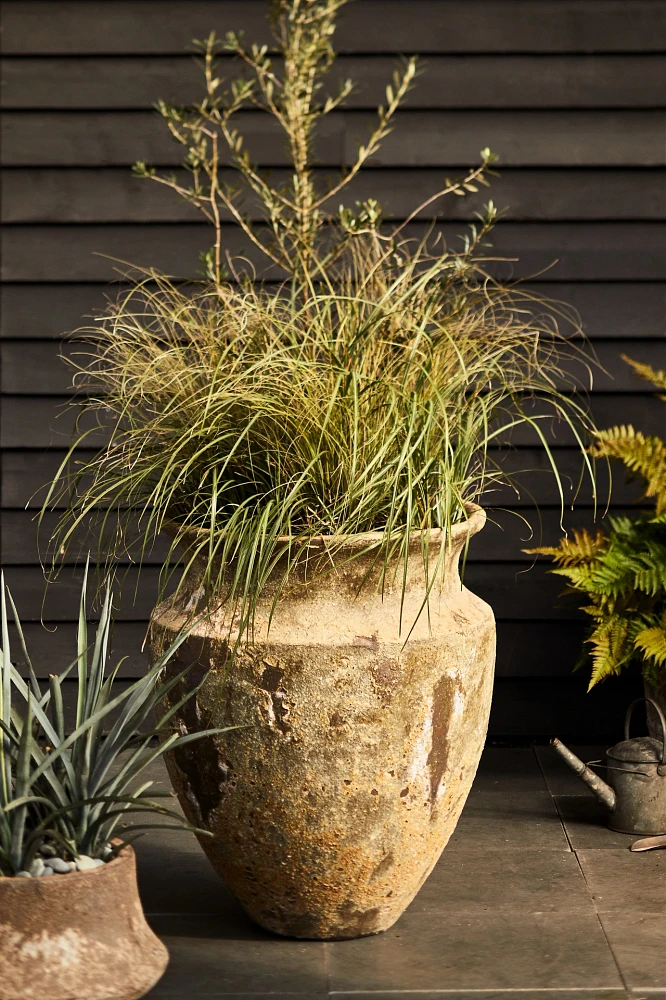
(662, 720)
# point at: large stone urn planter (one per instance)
(81, 936)
(330, 809)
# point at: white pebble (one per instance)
(47, 851)
(23, 875)
(58, 865)
(98, 863)
(36, 867)
(84, 863)
(47, 871)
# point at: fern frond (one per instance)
(654, 375)
(583, 548)
(651, 577)
(610, 648)
(652, 643)
(623, 573)
(643, 455)
(581, 578)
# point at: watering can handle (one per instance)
(662, 720)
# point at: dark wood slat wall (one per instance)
(570, 93)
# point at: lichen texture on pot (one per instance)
(330, 809)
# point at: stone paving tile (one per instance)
(586, 823)
(477, 951)
(190, 994)
(485, 880)
(547, 994)
(638, 941)
(509, 805)
(175, 876)
(230, 954)
(584, 994)
(620, 880)
(509, 818)
(517, 768)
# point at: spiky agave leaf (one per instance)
(54, 782)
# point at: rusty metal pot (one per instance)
(330, 809)
(81, 936)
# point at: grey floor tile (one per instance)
(509, 817)
(157, 772)
(620, 880)
(480, 880)
(477, 952)
(547, 994)
(560, 778)
(517, 768)
(175, 876)
(586, 823)
(639, 945)
(191, 994)
(230, 954)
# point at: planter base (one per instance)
(81, 936)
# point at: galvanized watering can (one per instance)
(636, 769)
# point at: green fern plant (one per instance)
(622, 572)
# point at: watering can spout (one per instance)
(602, 791)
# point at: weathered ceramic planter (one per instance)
(81, 936)
(331, 808)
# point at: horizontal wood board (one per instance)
(521, 138)
(166, 27)
(570, 93)
(607, 309)
(454, 81)
(114, 195)
(559, 251)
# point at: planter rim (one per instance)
(124, 856)
(474, 522)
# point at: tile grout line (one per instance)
(557, 808)
(327, 971)
(582, 871)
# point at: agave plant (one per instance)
(367, 392)
(68, 794)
